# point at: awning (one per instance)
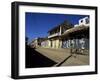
(75, 29)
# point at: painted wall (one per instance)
(82, 43)
(76, 43)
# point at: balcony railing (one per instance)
(53, 35)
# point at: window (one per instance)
(87, 20)
(81, 21)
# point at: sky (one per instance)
(38, 24)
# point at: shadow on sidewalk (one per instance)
(59, 64)
(36, 59)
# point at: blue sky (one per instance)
(38, 24)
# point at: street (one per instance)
(63, 57)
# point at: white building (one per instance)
(84, 21)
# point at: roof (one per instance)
(75, 29)
(62, 24)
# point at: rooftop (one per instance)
(75, 29)
(65, 23)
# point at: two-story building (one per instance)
(67, 35)
(78, 36)
(55, 40)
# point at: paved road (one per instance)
(79, 60)
(62, 57)
(56, 55)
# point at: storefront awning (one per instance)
(74, 30)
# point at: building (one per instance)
(78, 36)
(45, 42)
(36, 42)
(67, 35)
(84, 21)
(55, 40)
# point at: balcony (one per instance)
(54, 35)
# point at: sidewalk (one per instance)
(56, 55)
(79, 60)
(63, 57)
